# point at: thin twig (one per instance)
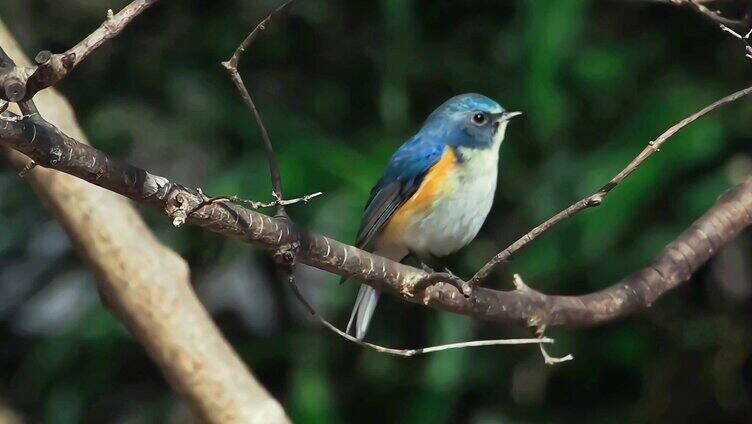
(553, 360)
(21, 83)
(252, 203)
(409, 352)
(713, 16)
(540, 327)
(596, 198)
(745, 39)
(700, 7)
(232, 68)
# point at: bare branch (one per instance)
(50, 148)
(411, 352)
(596, 198)
(713, 16)
(253, 203)
(553, 360)
(232, 68)
(702, 7)
(745, 39)
(22, 83)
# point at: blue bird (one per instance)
(436, 191)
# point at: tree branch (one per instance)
(22, 83)
(51, 148)
(288, 258)
(146, 284)
(745, 39)
(701, 7)
(412, 352)
(713, 16)
(232, 68)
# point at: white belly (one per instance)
(454, 220)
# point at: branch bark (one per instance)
(146, 284)
(50, 147)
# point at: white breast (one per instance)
(454, 220)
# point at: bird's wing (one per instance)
(400, 181)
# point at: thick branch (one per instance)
(22, 83)
(146, 284)
(51, 148)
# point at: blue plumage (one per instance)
(401, 179)
(464, 135)
(413, 158)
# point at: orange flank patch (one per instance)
(432, 186)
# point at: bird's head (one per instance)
(469, 120)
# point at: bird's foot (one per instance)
(427, 268)
(446, 276)
(430, 270)
(449, 271)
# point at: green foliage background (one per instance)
(341, 84)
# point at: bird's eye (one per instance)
(479, 118)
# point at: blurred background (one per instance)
(341, 84)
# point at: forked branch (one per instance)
(745, 39)
(51, 148)
(18, 84)
(232, 68)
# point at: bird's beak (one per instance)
(505, 116)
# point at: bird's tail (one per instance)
(368, 297)
(362, 312)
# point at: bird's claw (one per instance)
(445, 276)
(427, 269)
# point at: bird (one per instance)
(436, 191)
